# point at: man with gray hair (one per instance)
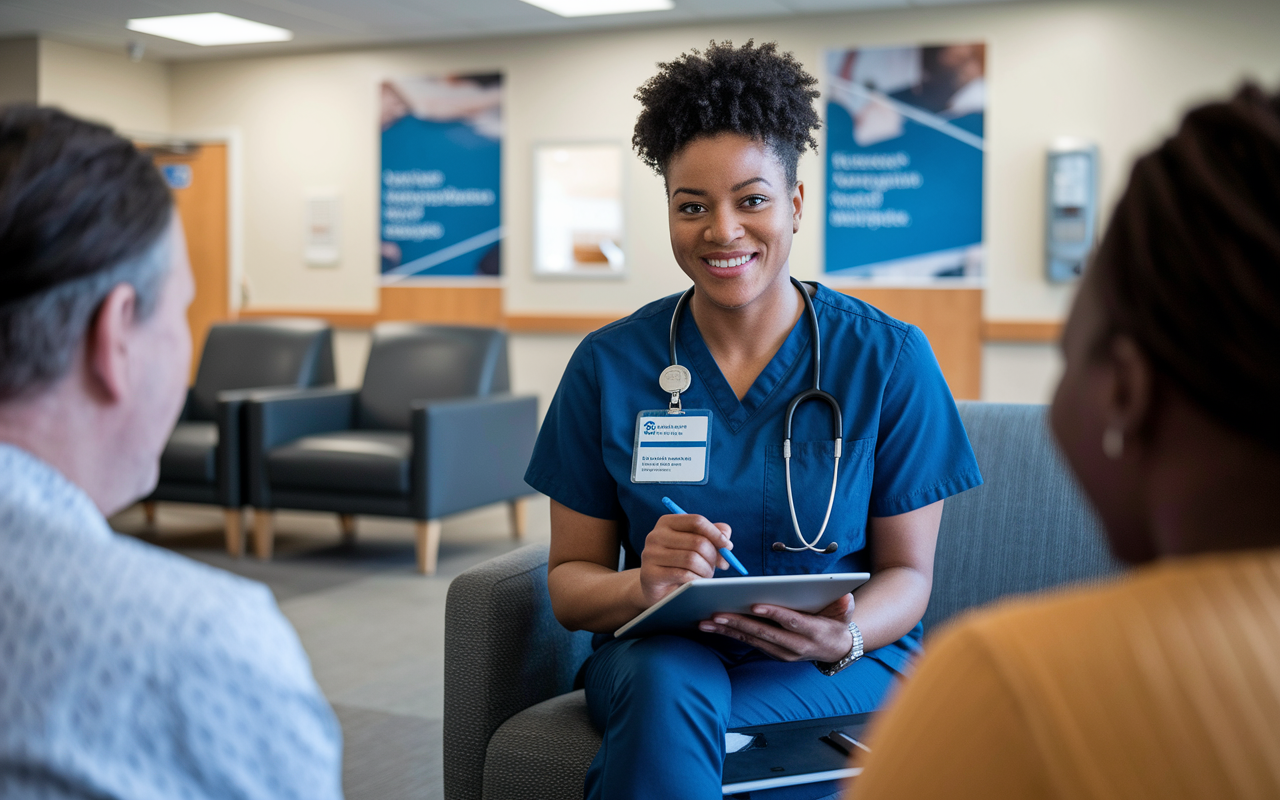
(125, 671)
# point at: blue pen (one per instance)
(724, 551)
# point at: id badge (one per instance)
(672, 446)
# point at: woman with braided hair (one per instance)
(1165, 684)
(725, 129)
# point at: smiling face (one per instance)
(732, 215)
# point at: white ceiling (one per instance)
(320, 24)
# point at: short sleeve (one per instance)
(568, 459)
(922, 451)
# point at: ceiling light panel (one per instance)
(594, 8)
(210, 29)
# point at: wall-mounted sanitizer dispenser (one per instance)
(1071, 206)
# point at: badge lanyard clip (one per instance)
(675, 379)
(671, 445)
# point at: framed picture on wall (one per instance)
(441, 177)
(905, 151)
(578, 220)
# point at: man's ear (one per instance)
(797, 206)
(1130, 396)
(107, 344)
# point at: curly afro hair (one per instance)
(749, 90)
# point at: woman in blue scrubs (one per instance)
(725, 130)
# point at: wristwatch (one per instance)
(855, 653)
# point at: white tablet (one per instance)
(699, 599)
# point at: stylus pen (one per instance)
(724, 551)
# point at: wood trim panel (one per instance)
(992, 330)
(456, 305)
(516, 323)
(338, 319)
(1011, 330)
(951, 320)
(559, 323)
(449, 305)
(453, 305)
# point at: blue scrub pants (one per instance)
(663, 704)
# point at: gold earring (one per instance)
(1113, 442)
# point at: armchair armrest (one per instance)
(277, 416)
(471, 452)
(233, 487)
(187, 404)
(504, 651)
(257, 393)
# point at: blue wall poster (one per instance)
(904, 163)
(441, 176)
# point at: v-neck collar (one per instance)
(737, 412)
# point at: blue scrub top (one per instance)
(904, 444)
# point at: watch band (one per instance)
(855, 653)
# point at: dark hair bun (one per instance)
(1190, 266)
(754, 91)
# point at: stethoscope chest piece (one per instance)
(676, 379)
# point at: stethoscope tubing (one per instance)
(814, 393)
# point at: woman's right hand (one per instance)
(679, 549)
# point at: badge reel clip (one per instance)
(671, 444)
(675, 380)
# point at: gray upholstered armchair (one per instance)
(202, 461)
(515, 727)
(432, 431)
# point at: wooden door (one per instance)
(199, 182)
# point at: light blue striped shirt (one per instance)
(127, 671)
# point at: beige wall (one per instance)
(1118, 72)
(19, 70)
(132, 97)
(1016, 372)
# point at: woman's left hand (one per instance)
(796, 636)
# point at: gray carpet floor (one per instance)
(373, 627)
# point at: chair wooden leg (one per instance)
(519, 509)
(263, 534)
(348, 524)
(428, 536)
(149, 511)
(235, 532)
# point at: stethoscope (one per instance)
(676, 379)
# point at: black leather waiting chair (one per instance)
(203, 460)
(432, 431)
